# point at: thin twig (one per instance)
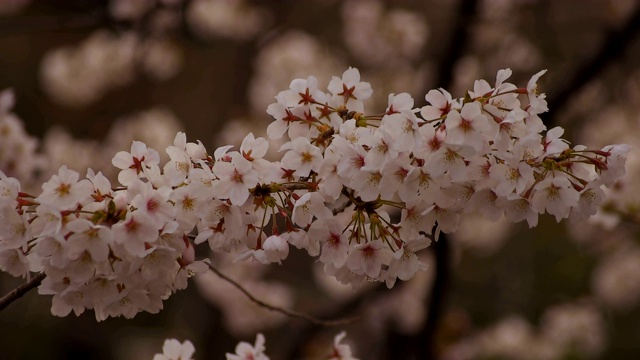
(18, 292)
(291, 313)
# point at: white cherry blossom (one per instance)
(366, 259)
(235, 179)
(309, 205)
(133, 163)
(173, 349)
(468, 126)
(301, 156)
(245, 351)
(64, 190)
(340, 351)
(556, 196)
(349, 87)
(440, 103)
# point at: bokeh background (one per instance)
(90, 76)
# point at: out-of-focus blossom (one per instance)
(383, 37)
(616, 280)
(79, 75)
(174, 350)
(245, 351)
(575, 328)
(403, 309)
(340, 351)
(18, 150)
(572, 329)
(130, 10)
(233, 19)
(293, 54)
(160, 59)
(480, 235)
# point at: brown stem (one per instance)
(18, 292)
(291, 313)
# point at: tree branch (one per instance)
(290, 313)
(457, 43)
(425, 342)
(18, 292)
(613, 47)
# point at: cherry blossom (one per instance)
(172, 349)
(341, 351)
(307, 206)
(120, 250)
(134, 163)
(245, 351)
(64, 189)
(350, 87)
(235, 179)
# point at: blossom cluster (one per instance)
(18, 156)
(172, 349)
(342, 177)
(245, 351)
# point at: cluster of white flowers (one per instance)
(18, 156)
(121, 250)
(245, 351)
(172, 349)
(116, 251)
(483, 153)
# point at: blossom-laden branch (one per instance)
(290, 313)
(124, 249)
(21, 290)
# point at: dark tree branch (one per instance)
(290, 313)
(613, 48)
(18, 292)
(467, 10)
(425, 341)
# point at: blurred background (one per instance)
(90, 76)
